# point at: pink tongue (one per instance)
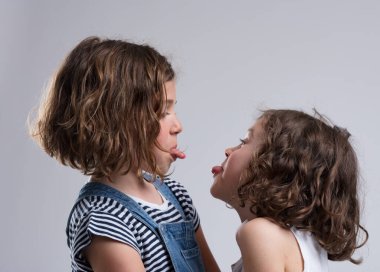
(216, 170)
(178, 153)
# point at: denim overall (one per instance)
(178, 237)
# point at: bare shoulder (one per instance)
(260, 229)
(262, 244)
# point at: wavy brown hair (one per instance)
(305, 175)
(102, 110)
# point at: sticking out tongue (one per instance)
(216, 170)
(178, 153)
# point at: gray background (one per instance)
(232, 58)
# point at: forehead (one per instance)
(170, 90)
(256, 130)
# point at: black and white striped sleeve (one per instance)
(107, 219)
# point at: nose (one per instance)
(229, 150)
(177, 126)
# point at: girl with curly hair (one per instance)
(294, 182)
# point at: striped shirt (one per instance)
(103, 216)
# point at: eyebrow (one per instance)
(251, 131)
(170, 102)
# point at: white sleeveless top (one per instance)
(314, 256)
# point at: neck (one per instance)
(122, 182)
(133, 185)
(244, 213)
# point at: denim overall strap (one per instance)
(99, 189)
(169, 195)
(165, 191)
(180, 242)
(179, 237)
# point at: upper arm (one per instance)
(105, 254)
(260, 243)
(207, 257)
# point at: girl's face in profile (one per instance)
(170, 127)
(227, 175)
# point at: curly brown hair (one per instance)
(305, 175)
(102, 111)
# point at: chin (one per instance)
(164, 169)
(214, 192)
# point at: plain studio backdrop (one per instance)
(232, 58)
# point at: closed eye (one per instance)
(243, 141)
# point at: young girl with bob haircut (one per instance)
(293, 181)
(110, 114)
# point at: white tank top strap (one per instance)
(314, 256)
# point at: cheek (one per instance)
(162, 137)
(233, 170)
